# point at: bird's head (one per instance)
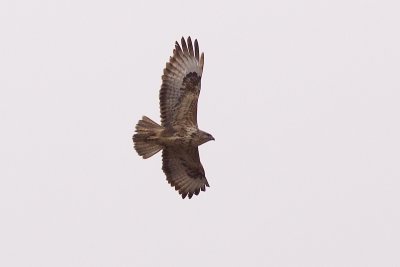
(205, 137)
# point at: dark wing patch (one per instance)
(184, 170)
(181, 84)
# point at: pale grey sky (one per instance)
(301, 96)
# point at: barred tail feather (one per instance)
(145, 138)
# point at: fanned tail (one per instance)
(145, 138)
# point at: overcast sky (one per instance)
(303, 98)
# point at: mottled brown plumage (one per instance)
(178, 135)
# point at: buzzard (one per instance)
(178, 136)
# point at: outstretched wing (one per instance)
(184, 171)
(181, 84)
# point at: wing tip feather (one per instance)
(184, 46)
(202, 60)
(196, 50)
(190, 44)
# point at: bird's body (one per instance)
(178, 135)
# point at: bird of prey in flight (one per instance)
(178, 136)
